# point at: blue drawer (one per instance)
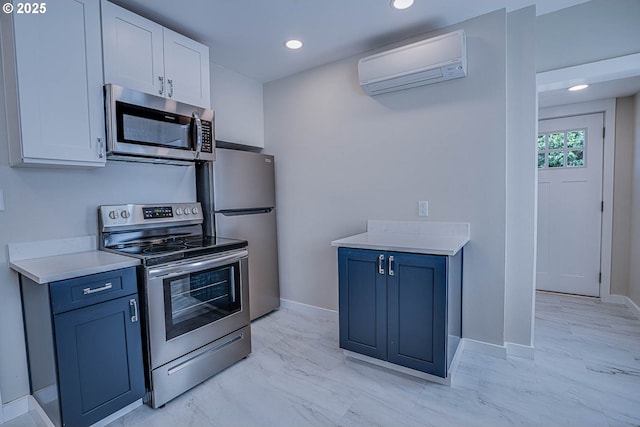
(87, 290)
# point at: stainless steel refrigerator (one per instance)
(244, 204)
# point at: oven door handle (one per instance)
(202, 264)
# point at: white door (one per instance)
(569, 204)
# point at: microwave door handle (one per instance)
(198, 124)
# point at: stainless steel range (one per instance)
(194, 291)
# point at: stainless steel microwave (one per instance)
(148, 128)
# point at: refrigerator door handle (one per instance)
(236, 212)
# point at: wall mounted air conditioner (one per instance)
(417, 64)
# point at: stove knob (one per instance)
(194, 211)
(178, 211)
(113, 214)
(125, 214)
(187, 211)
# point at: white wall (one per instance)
(634, 252)
(588, 32)
(623, 176)
(343, 157)
(60, 203)
(522, 177)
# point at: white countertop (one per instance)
(410, 236)
(53, 260)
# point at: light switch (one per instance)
(1, 200)
(423, 208)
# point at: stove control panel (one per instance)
(125, 216)
(155, 212)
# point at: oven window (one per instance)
(196, 299)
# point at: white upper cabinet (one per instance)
(238, 102)
(53, 84)
(142, 55)
(132, 50)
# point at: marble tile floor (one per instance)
(586, 372)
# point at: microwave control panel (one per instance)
(207, 137)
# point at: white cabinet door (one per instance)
(237, 101)
(186, 69)
(133, 53)
(142, 55)
(56, 85)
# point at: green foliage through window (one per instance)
(562, 149)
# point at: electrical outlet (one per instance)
(423, 208)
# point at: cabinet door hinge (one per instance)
(603, 131)
(602, 206)
(600, 277)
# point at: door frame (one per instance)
(608, 108)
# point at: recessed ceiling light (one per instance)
(293, 44)
(578, 87)
(401, 4)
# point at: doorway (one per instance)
(570, 204)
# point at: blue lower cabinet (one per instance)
(416, 313)
(393, 306)
(84, 345)
(99, 360)
(363, 303)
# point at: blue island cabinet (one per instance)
(400, 308)
(84, 345)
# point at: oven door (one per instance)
(192, 303)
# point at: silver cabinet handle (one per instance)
(170, 87)
(134, 304)
(161, 91)
(390, 266)
(100, 147)
(380, 264)
(89, 291)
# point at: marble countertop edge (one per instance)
(410, 236)
(66, 266)
(49, 261)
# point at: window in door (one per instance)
(564, 149)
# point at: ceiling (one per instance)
(247, 36)
(603, 90)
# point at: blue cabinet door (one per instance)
(99, 352)
(362, 302)
(417, 312)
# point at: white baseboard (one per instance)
(519, 350)
(28, 403)
(122, 412)
(397, 368)
(456, 358)
(623, 300)
(632, 306)
(15, 408)
(613, 299)
(285, 303)
(488, 349)
(37, 411)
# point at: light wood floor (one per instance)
(586, 372)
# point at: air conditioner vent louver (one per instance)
(425, 62)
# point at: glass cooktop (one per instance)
(159, 251)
